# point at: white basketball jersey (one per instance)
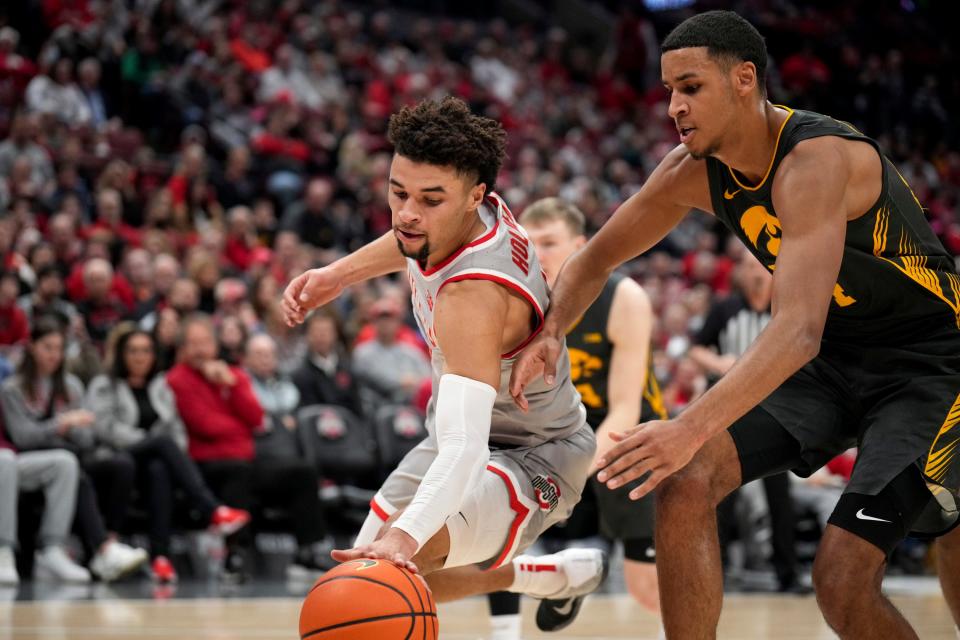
(503, 254)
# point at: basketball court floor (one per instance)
(269, 610)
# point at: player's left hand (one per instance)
(660, 447)
(396, 546)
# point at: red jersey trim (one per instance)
(489, 235)
(510, 285)
(536, 568)
(518, 508)
(378, 510)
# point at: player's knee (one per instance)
(842, 582)
(706, 480)
(689, 487)
(837, 598)
(67, 466)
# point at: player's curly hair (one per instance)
(727, 37)
(446, 134)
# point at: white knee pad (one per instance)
(479, 530)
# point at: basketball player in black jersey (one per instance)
(863, 346)
(610, 366)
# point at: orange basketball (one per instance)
(368, 600)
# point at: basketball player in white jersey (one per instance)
(489, 478)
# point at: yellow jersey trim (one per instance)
(776, 148)
(939, 459)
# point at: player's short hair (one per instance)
(446, 134)
(728, 38)
(549, 209)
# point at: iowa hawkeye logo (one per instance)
(764, 232)
(547, 493)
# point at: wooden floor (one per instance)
(603, 617)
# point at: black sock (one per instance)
(504, 603)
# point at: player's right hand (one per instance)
(538, 358)
(309, 290)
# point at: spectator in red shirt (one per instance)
(67, 247)
(404, 333)
(803, 70)
(221, 414)
(14, 328)
(241, 239)
(76, 13)
(109, 224)
(216, 401)
(14, 67)
(76, 285)
(101, 310)
(193, 164)
(251, 57)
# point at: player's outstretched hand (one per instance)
(395, 546)
(538, 358)
(659, 448)
(309, 290)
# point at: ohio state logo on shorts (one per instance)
(547, 493)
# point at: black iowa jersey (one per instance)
(590, 351)
(896, 280)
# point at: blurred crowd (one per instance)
(168, 165)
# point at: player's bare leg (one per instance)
(462, 582)
(948, 566)
(641, 582)
(847, 574)
(688, 548)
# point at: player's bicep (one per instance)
(809, 198)
(469, 320)
(629, 327)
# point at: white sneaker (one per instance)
(565, 574)
(585, 570)
(52, 562)
(116, 560)
(8, 567)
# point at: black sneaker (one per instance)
(234, 568)
(559, 613)
(309, 566)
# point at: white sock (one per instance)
(537, 576)
(505, 627)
